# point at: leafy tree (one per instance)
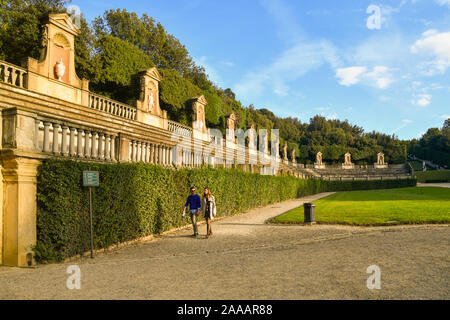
(119, 62)
(21, 27)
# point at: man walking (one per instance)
(194, 203)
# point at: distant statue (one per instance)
(348, 159)
(294, 160)
(424, 166)
(285, 153)
(380, 160)
(319, 158)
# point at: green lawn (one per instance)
(379, 207)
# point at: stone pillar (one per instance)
(124, 149)
(19, 210)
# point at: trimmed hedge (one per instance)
(137, 200)
(433, 176)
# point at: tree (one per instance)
(21, 27)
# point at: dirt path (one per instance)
(248, 259)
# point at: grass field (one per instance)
(379, 207)
(433, 176)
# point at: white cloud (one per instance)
(403, 124)
(445, 116)
(421, 100)
(350, 76)
(436, 45)
(291, 65)
(380, 76)
(443, 2)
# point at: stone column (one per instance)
(19, 210)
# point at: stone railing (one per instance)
(149, 152)
(179, 129)
(112, 107)
(13, 75)
(59, 139)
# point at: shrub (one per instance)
(433, 176)
(137, 200)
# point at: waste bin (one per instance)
(310, 213)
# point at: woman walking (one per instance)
(208, 210)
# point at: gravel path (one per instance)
(248, 259)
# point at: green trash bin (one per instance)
(310, 212)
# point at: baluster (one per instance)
(87, 145)
(132, 156)
(108, 147)
(94, 146)
(13, 77)
(101, 154)
(72, 150)
(64, 145)
(113, 148)
(37, 123)
(80, 143)
(55, 145)
(138, 151)
(147, 152)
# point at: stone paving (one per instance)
(249, 259)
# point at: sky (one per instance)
(382, 65)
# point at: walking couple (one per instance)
(197, 206)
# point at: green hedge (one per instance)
(137, 200)
(433, 176)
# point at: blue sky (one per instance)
(302, 58)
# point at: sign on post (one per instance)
(91, 179)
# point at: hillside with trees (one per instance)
(433, 146)
(117, 45)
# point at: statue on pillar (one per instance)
(285, 152)
(348, 161)
(380, 161)
(319, 164)
(294, 160)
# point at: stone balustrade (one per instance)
(112, 107)
(148, 152)
(60, 139)
(179, 129)
(13, 75)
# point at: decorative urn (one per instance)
(60, 69)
